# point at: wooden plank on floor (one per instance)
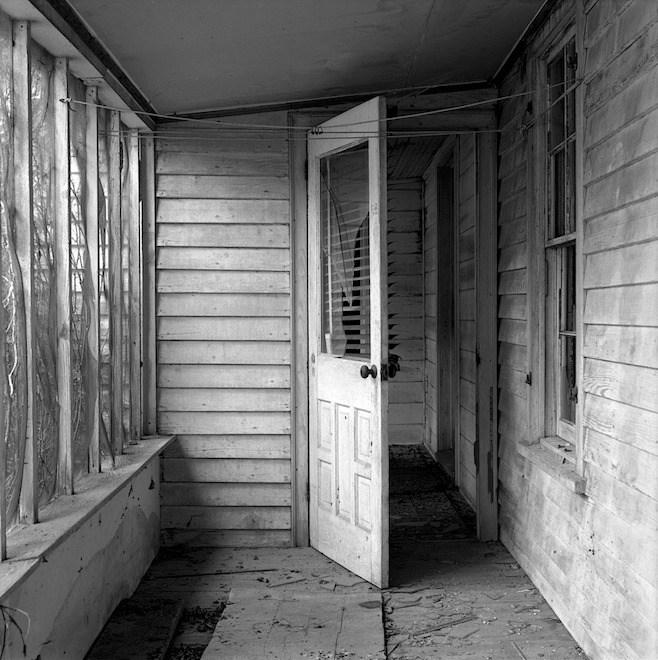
(141, 628)
(288, 624)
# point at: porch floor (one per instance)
(450, 596)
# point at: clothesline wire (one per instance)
(333, 132)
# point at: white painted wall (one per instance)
(73, 592)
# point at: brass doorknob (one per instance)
(368, 371)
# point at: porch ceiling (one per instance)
(220, 54)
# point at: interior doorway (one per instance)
(434, 273)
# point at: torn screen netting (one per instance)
(104, 281)
(125, 279)
(43, 282)
(14, 385)
(83, 387)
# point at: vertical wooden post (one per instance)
(486, 289)
(6, 28)
(149, 383)
(62, 255)
(3, 446)
(580, 237)
(135, 288)
(24, 228)
(92, 375)
(299, 363)
(116, 277)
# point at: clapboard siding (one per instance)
(405, 309)
(582, 551)
(224, 340)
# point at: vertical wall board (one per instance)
(405, 309)
(92, 375)
(441, 391)
(149, 369)
(586, 564)
(259, 358)
(487, 323)
(299, 331)
(62, 251)
(24, 229)
(430, 291)
(447, 348)
(135, 287)
(465, 230)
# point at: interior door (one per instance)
(348, 333)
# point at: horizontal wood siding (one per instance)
(405, 310)
(593, 556)
(224, 339)
(467, 213)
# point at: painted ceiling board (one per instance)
(213, 54)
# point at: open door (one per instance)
(348, 334)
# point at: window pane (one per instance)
(345, 253)
(568, 311)
(556, 89)
(568, 392)
(571, 79)
(570, 188)
(558, 194)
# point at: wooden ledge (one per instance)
(29, 545)
(559, 468)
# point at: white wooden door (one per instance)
(348, 333)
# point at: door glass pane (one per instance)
(345, 251)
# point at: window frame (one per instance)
(547, 266)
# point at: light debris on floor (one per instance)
(450, 596)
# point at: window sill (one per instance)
(548, 457)
(563, 449)
(29, 545)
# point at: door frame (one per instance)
(486, 278)
(486, 338)
(486, 342)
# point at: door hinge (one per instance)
(528, 378)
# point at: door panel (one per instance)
(348, 449)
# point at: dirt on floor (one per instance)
(449, 595)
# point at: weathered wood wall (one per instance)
(223, 306)
(405, 309)
(466, 213)
(593, 556)
(430, 269)
(440, 348)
